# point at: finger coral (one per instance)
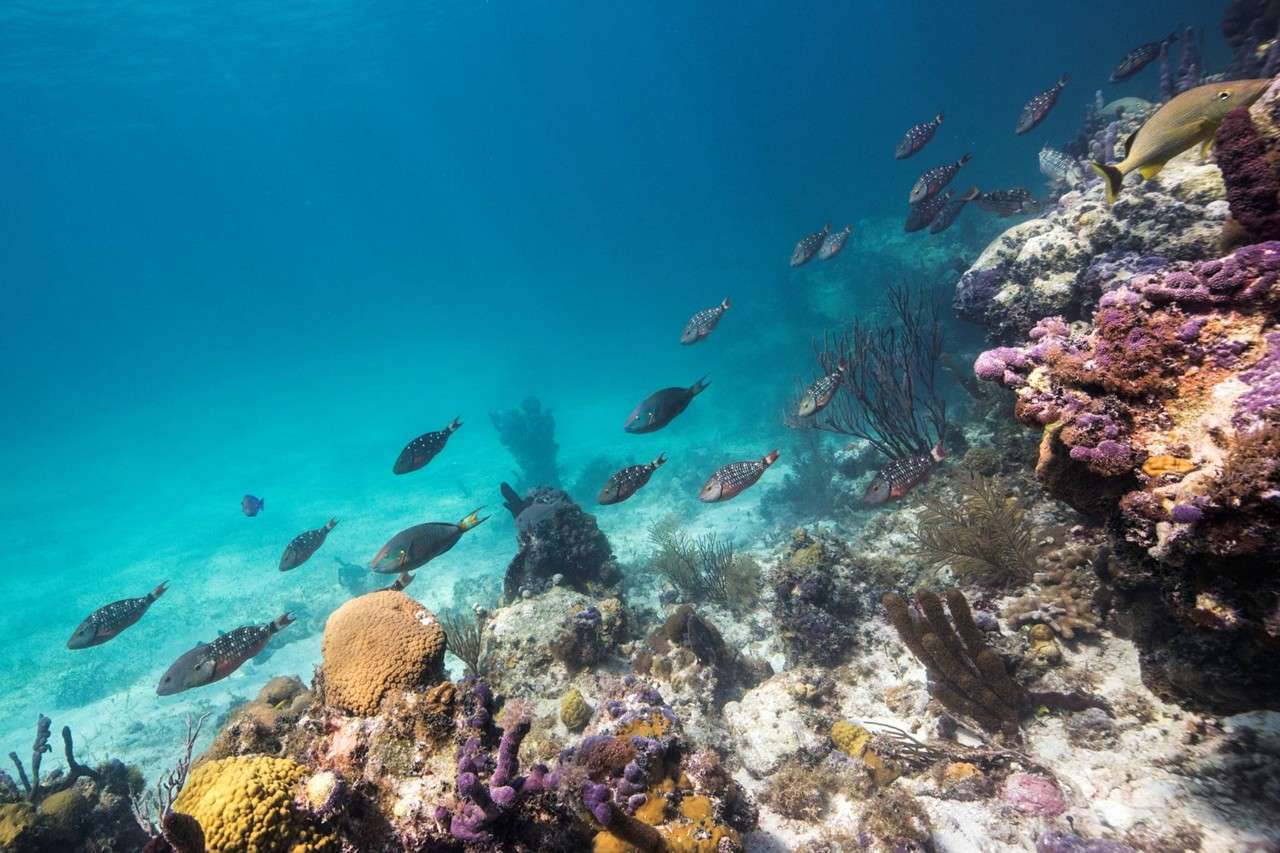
(245, 804)
(378, 643)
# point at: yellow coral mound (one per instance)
(849, 738)
(574, 710)
(376, 643)
(245, 805)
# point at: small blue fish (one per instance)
(251, 506)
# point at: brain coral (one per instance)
(245, 804)
(376, 643)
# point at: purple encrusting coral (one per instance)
(1262, 400)
(1052, 841)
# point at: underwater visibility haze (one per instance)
(688, 427)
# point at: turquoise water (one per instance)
(258, 248)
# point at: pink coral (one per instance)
(1034, 795)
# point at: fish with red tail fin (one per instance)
(701, 324)
(833, 243)
(932, 181)
(821, 392)
(423, 449)
(628, 481)
(735, 478)
(210, 662)
(809, 246)
(1037, 109)
(920, 214)
(304, 545)
(108, 621)
(416, 546)
(902, 475)
(917, 137)
(951, 211)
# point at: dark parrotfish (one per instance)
(304, 545)
(109, 620)
(628, 481)
(210, 662)
(251, 506)
(423, 449)
(735, 478)
(833, 243)
(821, 392)
(924, 212)
(1038, 107)
(902, 475)
(1010, 202)
(701, 324)
(932, 181)
(1139, 58)
(947, 216)
(661, 407)
(416, 546)
(809, 246)
(917, 137)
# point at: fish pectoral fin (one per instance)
(1150, 170)
(1206, 147)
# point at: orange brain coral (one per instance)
(376, 643)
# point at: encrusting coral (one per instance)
(555, 536)
(574, 710)
(378, 643)
(815, 600)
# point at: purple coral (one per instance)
(1262, 401)
(1034, 795)
(1053, 841)
(1253, 188)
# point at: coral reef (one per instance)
(528, 432)
(706, 569)
(376, 644)
(574, 710)
(1060, 597)
(556, 537)
(263, 724)
(815, 598)
(981, 533)
(688, 651)
(1253, 187)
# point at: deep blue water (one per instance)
(258, 246)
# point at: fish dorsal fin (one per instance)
(222, 633)
(1128, 143)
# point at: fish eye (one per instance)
(1224, 95)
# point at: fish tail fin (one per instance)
(473, 519)
(660, 461)
(455, 423)
(770, 458)
(973, 193)
(699, 386)
(403, 580)
(1112, 176)
(262, 504)
(938, 118)
(159, 591)
(937, 452)
(284, 620)
(1062, 81)
(725, 305)
(1173, 37)
(332, 523)
(965, 159)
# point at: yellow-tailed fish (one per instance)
(1187, 120)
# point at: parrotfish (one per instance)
(809, 246)
(1060, 167)
(251, 506)
(951, 211)
(1139, 58)
(821, 392)
(399, 583)
(935, 179)
(210, 662)
(902, 475)
(416, 546)
(924, 212)
(1009, 202)
(1038, 107)
(423, 449)
(304, 545)
(733, 479)
(917, 138)
(628, 481)
(1188, 119)
(701, 324)
(661, 407)
(833, 243)
(109, 620)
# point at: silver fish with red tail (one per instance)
(304, 545)
(628, 481)
(423, 449)
(947, 216)
(821, 392)
(108, 621)
(833, 243)
(917, 137)
(932, 181)
(701, 324)
(735, 478)
(210, 662)
(809, 246)
(902, 475)
(1038, 107)
(924, 212)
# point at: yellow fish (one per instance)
(1186, 120)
